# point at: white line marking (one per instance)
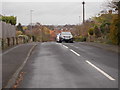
(65, 46)
(101, 71)
(75, 52)
(10, 50)
(76, 47)
(11, 82)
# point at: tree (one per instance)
(9, 19)
(115, 30)
(116, 5)
(19, 27)
(91, 31)
(115, 26)
(97, 31)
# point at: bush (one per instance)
(9, 19)
(79, 39)
(91, 31)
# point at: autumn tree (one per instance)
(115, 26)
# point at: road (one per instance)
(70, 65)
(12, 60)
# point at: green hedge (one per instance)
(79, 39)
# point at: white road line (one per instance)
(11, 82)
(10, 50)
(101, 71)
(76, 47)
(75, 52)
(65, 46)
(59, 43)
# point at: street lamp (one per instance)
(83, 12)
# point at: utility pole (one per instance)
(83, 12)
(31, 23)
(79, 20)
(31, 18)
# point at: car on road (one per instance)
(58, 37)
(65, 37)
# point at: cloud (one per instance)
(50, 12)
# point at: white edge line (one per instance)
(75, 52)
(11, 82)
(10, 50)
(101, 71)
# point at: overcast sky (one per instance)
(51, 12)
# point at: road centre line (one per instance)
(74, 52)
(65, 46)
(76, 47)
(101, 71)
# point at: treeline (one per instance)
(37, 32)
(103, 28)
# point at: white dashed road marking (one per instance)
(76, 47)
(65, 46)
(101, 71)
(74, 52)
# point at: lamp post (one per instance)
(83, 12)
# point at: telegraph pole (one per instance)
(31, 18)
(83, 12)
(31, 24)
(79, 20)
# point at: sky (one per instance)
(54, 12)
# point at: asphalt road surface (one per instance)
(12, 60)
(70, 65)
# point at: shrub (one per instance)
(79, 38)
(91, 31)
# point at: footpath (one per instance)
(12, 59)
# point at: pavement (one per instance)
(70, 65)
(12, 59)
